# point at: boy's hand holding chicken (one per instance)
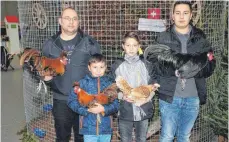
(98, 108)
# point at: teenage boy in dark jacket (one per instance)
(79, 48)
(179, 106)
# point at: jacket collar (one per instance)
(56, 37)
(194, 34)
(188, 33)
(194, 31)
(131, 59)
(79, 31)
(90, 77)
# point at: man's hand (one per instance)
(48, 78)
(98, 109)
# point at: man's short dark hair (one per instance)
(97, 58)
(182, 2)
(66, 9)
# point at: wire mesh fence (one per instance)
(108, 21)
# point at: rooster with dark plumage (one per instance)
(184, 65)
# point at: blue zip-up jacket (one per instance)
(76, 68)
(87, 119)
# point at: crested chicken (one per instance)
(138, 94)
(88, 100)
(43, 65)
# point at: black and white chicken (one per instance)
(182, 65)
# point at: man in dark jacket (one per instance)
(179, 104)
(79, 48)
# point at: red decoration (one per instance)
(12, 19)
(154, 13)
(210, 56)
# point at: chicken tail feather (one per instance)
(123, 85)
(28, 54)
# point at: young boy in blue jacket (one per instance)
(97, 67)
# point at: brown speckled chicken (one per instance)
(137, 94)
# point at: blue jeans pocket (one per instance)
(193, 104)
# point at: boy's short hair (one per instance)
(97, 58)
(187, 2)
(131, 35)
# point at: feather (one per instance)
(138, 94)
(85, 99)
(40, 85)
(44, 65)
(187, 65)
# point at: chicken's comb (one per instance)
(76, 84)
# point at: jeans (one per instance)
(178, 118)
(97, 138)
(126, 127)
(65, 119)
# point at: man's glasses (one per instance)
(74, 19)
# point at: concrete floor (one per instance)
(12, 103)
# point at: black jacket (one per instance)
(197, 43)
(76, 69)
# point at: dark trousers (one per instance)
(65, 119)
(126, 128)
